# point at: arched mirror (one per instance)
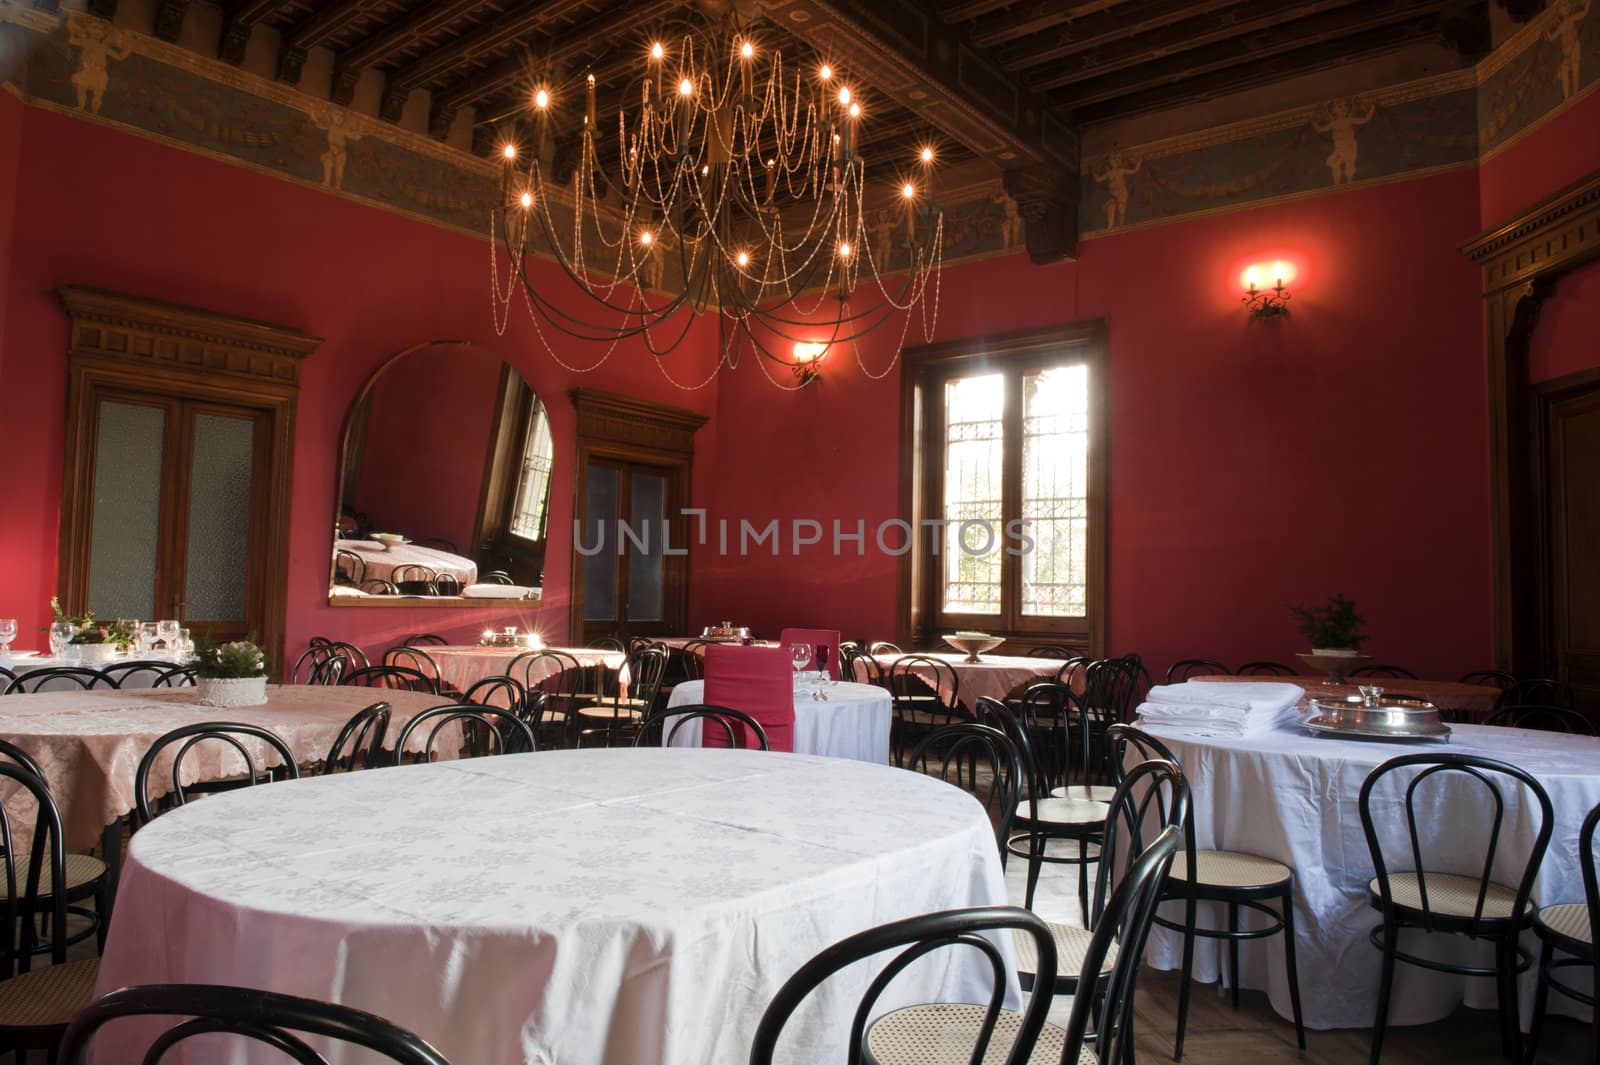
(444, 485)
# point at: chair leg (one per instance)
(1541, 997)
(1190, 905)
(1083, 879)
(1391, 943)
(1289, 962)
(1509, 1004)
(1035, 863)
(1233, 950)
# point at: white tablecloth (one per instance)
(1292, 796)
(23, 664)
(381, 560)
(853, 723)
(992, 677)
(624, 907)
(460, 666)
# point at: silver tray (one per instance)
(1354, 730)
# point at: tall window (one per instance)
(533, 478)
(1006, 488)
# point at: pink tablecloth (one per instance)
(461, 667)
(89, 743)
(1472, 701)
(995, 677)
(382, 560)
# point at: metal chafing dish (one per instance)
(1376, 716)
(726, 631)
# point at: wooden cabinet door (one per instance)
(1572, 516)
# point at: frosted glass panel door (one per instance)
(647, 512)
(599, 544)
(221, 480)
(124, 541)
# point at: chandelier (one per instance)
(729, 184)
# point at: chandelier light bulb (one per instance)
(826, 72)
(509, 151)
(685, 87)
(844, 94)
(844, 249)
(704, 170)
(909, 191)
(591, 79)
(855, 110)
(647, 238)
(656, 51)
(927, 155)
(527, 199)
(747, 49)
(743, 258)
(541, 99)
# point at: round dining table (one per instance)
(1470, 702)
(462, 665)
(842, 720)
(1292, 796)
(581, 907)
(997, 677)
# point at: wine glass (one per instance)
(822, 663)
(185, 645)
(145, 637)
(167, 633)
(136, 631)
(61, 633)
(8, 632)
(800, 654)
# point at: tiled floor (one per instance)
(1219, 1035)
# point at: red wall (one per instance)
(1544, 162)
(1567, 338)
(1340, 449)
(427, 439)
(11, 112)
(174, 226)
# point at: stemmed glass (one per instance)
(145, 638)
(822, 664)
(800, 654)
(8, 632)
(167, 633)
(60, 638)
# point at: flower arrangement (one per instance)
(231, 661)
(1333, 626)
(85, 629)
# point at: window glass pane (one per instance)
(533, 480)
(646, 511)
(127, 510)
(219, 518)
(600, 529)
(1055, 491)
(973, 456)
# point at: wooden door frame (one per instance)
(635, 431)
(1522, 259)
(134, 344)
(1547, 395)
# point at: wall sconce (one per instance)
(1266, 302)
(808, 361)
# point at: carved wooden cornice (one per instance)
(1554, 229)
(129, 330)
(615, 418)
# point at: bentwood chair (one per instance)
(263, 1017)
(1573, 928)
(393, 678)
(861, 668)
(981, 760)
(556, 685)
(496, 576)
(407, 656)
(1265, 669)
(359, 744)
(349, 568)
(968, 1029)
(926, 693)
(485, 730)
(1185, 668)
(36, 1004)
(615, 716)
(1543, 718)
(379, 586)
(1544, 691)
(320, 663)
(736, 725)
(1435, 902)
(150, 674)
(1152, 796)
(415, 579)
(86, 876)
(1238, 879)
(6, 677)
(230, 733)
(693, 657)
(424, 639)
(59, 678)
(883, 647)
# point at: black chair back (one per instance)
(415, 658)
(349, 568)
(264, 1017)
(505, 693)
(359, 744)
(646, 665)
(609, 643)
(479, 726)
(379, 586)
(981, 760)
(858, 666)
(693, 657)
(555, 685)
(176, 677)
(1490, 678)
(1543, 718)
(59, 678)
(1050, 650)
(6, 677)
(21, 906)
(447, 584)
(1544, 691)
(424, 639)
(415, 579)
(883, 647)
(394, 678)
(145, 674)
(1264, 669)
(927, 684)
(725, 717)
(1184, 668)
(230, 733)
(915, 938)
(1472, 770)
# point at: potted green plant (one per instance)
(1334, 630)
(231, 674)
(94, 642)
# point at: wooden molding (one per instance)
(1522, 258)
(628, 424)
(129, 330)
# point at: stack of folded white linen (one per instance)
(1220, 708)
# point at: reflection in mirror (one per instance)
(444, 483)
